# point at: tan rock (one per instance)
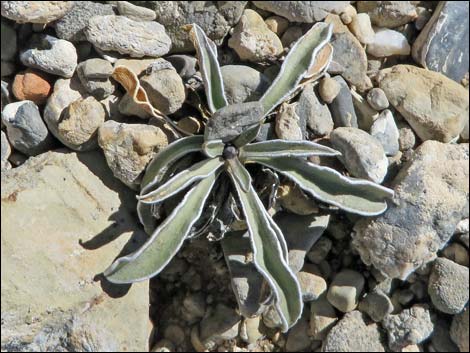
(361, 27)
(277, 24)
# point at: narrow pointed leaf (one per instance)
(165, 242)
(247, 136)
(182, 180)
(284, 148)
(210, 70)
(297, 65)
(239, 172)
(269, 258)
(213, 148)
(353, 195)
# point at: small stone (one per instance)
(322, 318)
(243, 83)
(342, 107)
(407, 138)
(377, 305)
(135, 12)
(411, 326)
(31, 85)
(436, 107)
(221, 325)
(252, 40)
(25, 128)
(49, 54)
(320, 250)
(388, 42)
(34, 11)
(125, 36)
(293, 199)
(361, 27)
(128, 148)
(277, 24)
(424, 15)
(291, 35)
(352, 334)
(128, 107)
(79, 124)
(9, 45)
(456, 253)
(94, 75)
(6, 151)
(72, 26)
(165, 89)
(288, 123)
(345, 290)
(348, 14)
(137, 66)
(462, 226)
(190, 124)
(388, 14)
(385, 130)
(362, 154)
(185, 65)
(366, 115)
(459, 330)
(297, 338)
(329, 89)
(377, 99)
(252, 328)
(440, 339)
(312, 285)
(316, 113)
(448, 286)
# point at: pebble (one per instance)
(50, 54)
(79, 124)
(277, 24)
(32, 85)
(459, 330)
(317, 114)
(25, 128)
(388, 14)
(135, 12)
(128, 37)
(364, 112)
(293, 199)
(407, 138)
(289, 125)
(448, 286)
(348, 14)
(72, 26)
(328, 89)
(342, 107)
(128, 148)
(243, 83)
(291, 35)
(345, 290)
(221, 325)
(361, 27)
(320, 250)
(462, 226)
(6, 152)
(9, 45)
(251, 327)
(377, 99)
(128, 107)
(411, 326)
(322, 318)
(35, 11)
(311, 284)
(94, 74)
(440, 339)
(385, 130)
(435, 106)
(297, 338)
(252, 40)
(456, 253)
(388, 42)
(377, 305)
(185, 65)
(164, 88)
(362, 154)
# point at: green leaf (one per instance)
(284, 148)
(239, 172)
(353, 195)
(182, 180)
(247, 136)
(213, 148)
(269, 257)
(210, 70)
(297, 65)
(165, 242)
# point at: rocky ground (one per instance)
(74, 147)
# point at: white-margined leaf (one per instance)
(213, 148)
(284, 148)
(239, 172)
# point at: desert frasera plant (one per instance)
(228, 148)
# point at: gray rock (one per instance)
(289, 125)
(135, 12)
(456, 253)
(291, 35)
(459, 330)
(385, 130)
(352, 334)
(377, 99)
(388, 14)
(311, 284)
(316, 114)
(125, 36)
(49, 54)
(34, 11)
(215, 18)
(342, 107)
(243, 83)
(68, 200)
(25, 128)
(221, 325)
(440, 339)
(365, 113)
(448, 286)
(300, 232)
(388, 42)
(71, 27)
(6, 151)
(185, 65)
(431, 197)
(411, 326)
(362, 154)
(297, 338)
(442, 45)
(8, 68)
(320, 250)
(164, 88)
(345, 290)
(9, 46)
(377, 305)
(303, 11)
(322, 318)
(94, 74)
(128, 148)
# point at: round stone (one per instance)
(377, 99)
(32, 85)
(345, 290)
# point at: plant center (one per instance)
(230, 152)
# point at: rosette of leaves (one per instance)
(227, 150)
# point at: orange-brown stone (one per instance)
(32, 85)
